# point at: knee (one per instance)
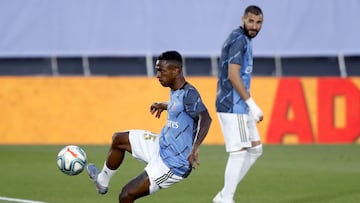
(125, 195)
(120, 140)
(256, 151)
(119, 137)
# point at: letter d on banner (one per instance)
(328, 90)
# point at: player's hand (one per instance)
(157, 108)
(193, 158)
(255, 112)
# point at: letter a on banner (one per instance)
(290, 97)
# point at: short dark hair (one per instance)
(254, 10)
(171, 56)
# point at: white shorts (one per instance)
(145, 147)
(239, 130)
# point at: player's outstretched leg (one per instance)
(93, 172)
(120, 144)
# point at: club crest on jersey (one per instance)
(248, 69)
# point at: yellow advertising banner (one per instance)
(88, 110)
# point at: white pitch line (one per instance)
(19, 200)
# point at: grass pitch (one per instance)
(284, 174)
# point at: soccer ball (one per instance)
(71, 160)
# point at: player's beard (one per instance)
(246, 30)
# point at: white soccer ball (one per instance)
(71, 160)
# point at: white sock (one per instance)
(232, 172)
(252, 155)
(105, 176)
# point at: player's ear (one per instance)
(243, 20)
(176, 68)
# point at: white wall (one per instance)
(197, 28)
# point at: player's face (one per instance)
(252, 24)
(165, 73)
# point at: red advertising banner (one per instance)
(88, 110)
(337, 111)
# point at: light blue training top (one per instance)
(237, 49)
(178, 134)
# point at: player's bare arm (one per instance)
(238, 84)
(157, 108)
(204, 125)
(236, 80)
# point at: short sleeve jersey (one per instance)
(178, 134)
(237, 49)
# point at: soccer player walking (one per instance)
(237, 111)
(170, 155)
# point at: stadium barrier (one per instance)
(87, 110)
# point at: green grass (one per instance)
(284, 174)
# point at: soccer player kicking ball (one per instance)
(237, 111)
(171, 155)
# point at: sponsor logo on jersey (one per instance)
(172, 124)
